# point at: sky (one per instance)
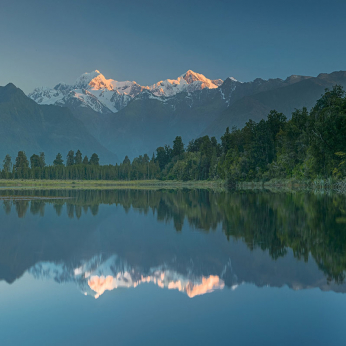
(44, 42)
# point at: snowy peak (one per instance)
(96, 81)
(188, 82)
(103, 95)
(191, 77)
(233, 79)
(93, 80)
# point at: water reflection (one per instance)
(163, 279)
(100, 274)
(295, 239)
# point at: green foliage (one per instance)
(328, 131)
(163, 156)
(94, 160)
(305, 146)
(178, 146)
(21, 167)
(85, 160)
(58, 160)
(35, 161)
(7, 166)
(70, 158)
(78, 158)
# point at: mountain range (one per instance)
(25, 125)
(118, 118)
(109, 96)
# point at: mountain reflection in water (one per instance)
(100, 284)
(108, 239)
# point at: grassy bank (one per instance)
(280, 184)
(110, 184)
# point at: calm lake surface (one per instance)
(186, 267)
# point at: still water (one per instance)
(180, 267)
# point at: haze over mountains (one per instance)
(118, 118)
(25, 125)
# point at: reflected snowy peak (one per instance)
(97, 276)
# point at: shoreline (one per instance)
(273, 184)
(330, 185)
(17, 184)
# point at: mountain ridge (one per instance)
(147, 118)
(108, 95)
(285, 99)
(33, 128)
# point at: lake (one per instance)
(168, 267)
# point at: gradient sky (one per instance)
(44, 42)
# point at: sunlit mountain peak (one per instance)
(94, 90)
(188, 82)
(93, 80)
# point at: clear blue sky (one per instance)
(43, 42)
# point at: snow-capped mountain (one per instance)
(188, 82)
(108, 95)
(189, 106)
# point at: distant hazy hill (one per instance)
(25, 125)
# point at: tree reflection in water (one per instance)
(307, 223)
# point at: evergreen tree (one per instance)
(21, 160)
(42, 160)
(35, 161)
(78, 158)
(126, 160)
(168, 151)
(58, 160)
(125, 170)
(70, 158)
(21, 166)
(328, 131)
(85, 160)
(7, 164)
(163, 156)
(94, 160)
(226, 140)
(178, 146)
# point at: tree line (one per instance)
(309, 145)
(76, 167)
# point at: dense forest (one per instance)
(309, 145)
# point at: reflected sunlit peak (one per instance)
(98, 275)
(192, 288)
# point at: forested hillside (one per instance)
(297, 92)
(310, 144)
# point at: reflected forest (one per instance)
(309, 224)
